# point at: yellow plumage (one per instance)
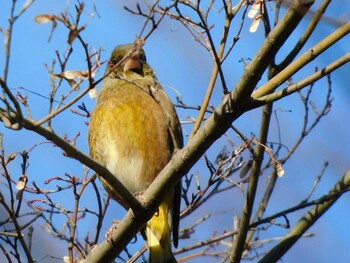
(158, 236)
(134, 131)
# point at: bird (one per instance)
(134, 131)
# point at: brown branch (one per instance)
(217, 69)
(18, 228)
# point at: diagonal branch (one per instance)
(308, 31)
(306, 58)
(301, 84)
(307, 221)
(276, 38)
(73, 152)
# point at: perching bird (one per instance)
(134, 131)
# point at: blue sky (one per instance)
(181, 63)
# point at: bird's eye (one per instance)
(114, 61)
(143, 56)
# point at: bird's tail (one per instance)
(158, 236)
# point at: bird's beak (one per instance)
(133, 64)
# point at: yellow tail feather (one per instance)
(158, 237)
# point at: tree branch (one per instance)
(307, 221)
(73, 152)
(306, 58)
(259, 100)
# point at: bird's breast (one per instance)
(128, 134)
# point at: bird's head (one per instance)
(126, 60)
